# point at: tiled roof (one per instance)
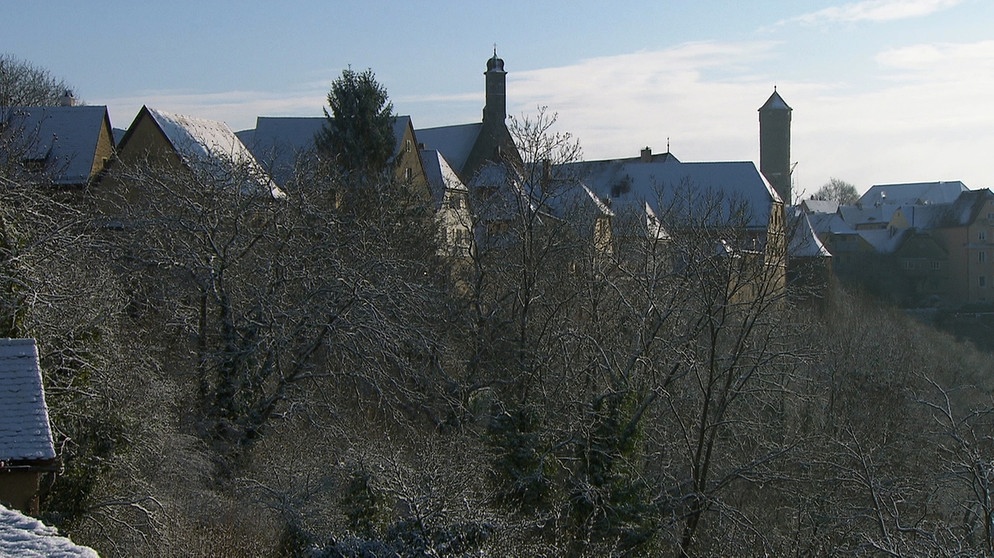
(65, 138)
(25, 433)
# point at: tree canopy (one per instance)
(837, 190)
(359, 131)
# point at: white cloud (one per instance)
(927, 118)
(874, 10)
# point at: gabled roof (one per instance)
(677, 191)
(202, 143)
(454, 142)
(200, 138)
(440, 176)
(64, 138)
(913, 193)
(25, 433)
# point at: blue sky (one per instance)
(883, 91)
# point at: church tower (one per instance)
(496, 107)
(774, 144)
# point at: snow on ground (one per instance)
(24, 536)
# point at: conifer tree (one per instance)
(358, 136)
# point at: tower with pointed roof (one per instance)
(774, 144)
(496, 98)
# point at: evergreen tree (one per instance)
(358, 135)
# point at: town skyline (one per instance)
(883, 91)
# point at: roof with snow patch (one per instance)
(26, 537)
(25, 433)
(912, 193)
(202, 142)
(440, 175)
(711, 193)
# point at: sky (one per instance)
(882, 91)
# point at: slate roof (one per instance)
(454, 142)
(25, 433)
(64, 137)
(278, 141)
(912, 193)
(678, 191)
(775, 102)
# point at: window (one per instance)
(407, 146)
(936, 266)
(981, 256)
(982, 235)
(982, 282)
(408, 173)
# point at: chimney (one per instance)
(67, 99)
(646, 155)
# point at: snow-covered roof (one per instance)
(25, 434)
(804, 242)
(64, 138)
(830, 223)
(454, 142)
(913, 193)
(857, 215)
(440, 175)
(676, 191)
(200, 138)
(200, 141)
(884, 241)
(26, 537)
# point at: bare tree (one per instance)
(22, 84)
